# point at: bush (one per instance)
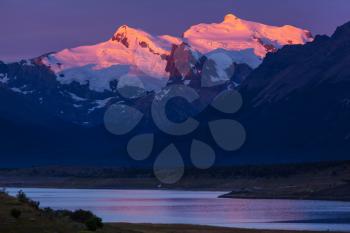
(63, 213)
(91, 221)
(94, 223)
(48, 212)
(16, 213)
(82, 216)
(22, 197)
(34, 204)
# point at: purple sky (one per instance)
(32, 27)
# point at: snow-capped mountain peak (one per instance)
(136, 53)
(230, 18)
(235, 34)
(79, 83)
(130, 51)
(133, 38)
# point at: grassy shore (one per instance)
(34, 220)
(31, 219)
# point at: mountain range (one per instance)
(294, 89)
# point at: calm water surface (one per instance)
(187, 207)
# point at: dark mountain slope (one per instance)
(297, 101)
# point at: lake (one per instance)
(196, 207)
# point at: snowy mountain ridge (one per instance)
(78, 84)
(135, 53)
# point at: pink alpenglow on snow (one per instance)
(135, 53)
(235, 34)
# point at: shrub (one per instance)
(94, 223)
(91, 221)
(34, 204)
(16, 213)
(48, 212)
(81, 216)
(22, 197)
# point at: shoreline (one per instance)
(226, 194)
(117, 188)
(285, 198)
(34, 216)
(338, 193)
(190, 228)
(326, 181)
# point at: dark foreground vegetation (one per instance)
(25, 215)
(22, 215)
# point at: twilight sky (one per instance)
(33, 27)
